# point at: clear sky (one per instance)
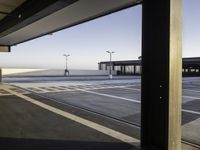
(87, 43)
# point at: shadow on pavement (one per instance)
(43, 144)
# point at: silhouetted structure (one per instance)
(191, 66)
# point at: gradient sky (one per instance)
(87, 43)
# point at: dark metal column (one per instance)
(99, 65)
(124, 69)
(134, 69)
(161, 75)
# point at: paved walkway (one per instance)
(31, 122)
(27, 123)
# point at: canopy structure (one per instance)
(23, 20)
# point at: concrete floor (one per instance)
(119, 99)
(25, 126)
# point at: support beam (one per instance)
(4, 48)
(161, 75)
(29, 12)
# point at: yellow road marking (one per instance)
(5, 94)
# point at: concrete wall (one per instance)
(60, 72)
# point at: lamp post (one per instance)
(66, 69)
(110, 53)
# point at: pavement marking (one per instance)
(86, 87)
(128, 99)
(110, 132)
(191, 111)
(135, 89)
(18, 90)
(191, 97)
(133, 100)
(112, 96)
(184, 96)
(191, 90)
(5, 95)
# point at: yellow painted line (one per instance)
(5, 94)
(110, 132)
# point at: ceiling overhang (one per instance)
(30, 11)
(34, 19)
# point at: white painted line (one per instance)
(186, 81)
(137, 101)
(184, 96)
(190, 97)
(129, 86)
(112, 96)
(191, 90)
(132, 100)
(191, 111)
(110, 132)
(134, 89)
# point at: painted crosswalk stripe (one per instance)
(191, 111)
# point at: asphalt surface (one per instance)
(98, 99)
(25, 126)
(21, 79)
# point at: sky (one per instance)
(87, 43)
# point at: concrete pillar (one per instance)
(161, 88)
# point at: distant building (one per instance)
(191, 66)
(125, 67)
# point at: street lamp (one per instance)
(66, 69)
(110, 52)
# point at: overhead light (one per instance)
(19, 16)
